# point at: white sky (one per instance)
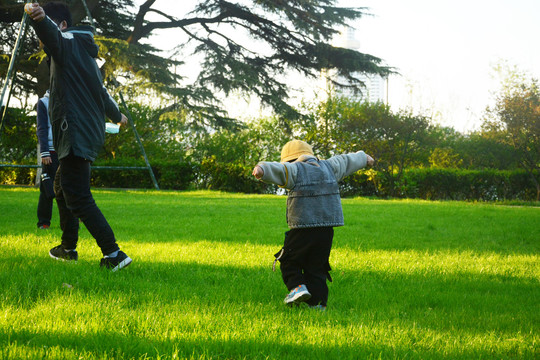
(443, 50)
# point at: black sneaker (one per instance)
(116, 263)
(59, 253)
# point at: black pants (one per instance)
(45, 202)
(305, 261)
(75, 201)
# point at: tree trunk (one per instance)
(11, 13)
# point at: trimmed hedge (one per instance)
(173, 175)
(429, 184)
(17, 176)
(453, 184)
(447, 184)
(362, 183)
(231, 177)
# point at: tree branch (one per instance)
(139, 22)
(11, 13)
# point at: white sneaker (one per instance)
(297, 295)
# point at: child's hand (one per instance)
(46, 160)
(258, 172)
(35, 11)
(370, 161)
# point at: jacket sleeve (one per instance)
(281, 174)
(112, 111)
(51, 36)
(43, 129)
(346, 164)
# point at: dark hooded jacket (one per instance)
(78, 100)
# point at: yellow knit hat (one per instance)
(294, 149)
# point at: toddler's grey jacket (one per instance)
(313, 199)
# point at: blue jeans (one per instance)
(75, 201)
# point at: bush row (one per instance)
(209, 174)
(173, 175)
(430, 184)
(17, 176)
(446, 184)
(487, 185)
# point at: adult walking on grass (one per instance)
(313, 210)
(77, 108)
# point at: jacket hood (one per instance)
(85, 33)
(306, 158)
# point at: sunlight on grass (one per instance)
(412, 279)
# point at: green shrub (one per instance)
(169, 174)
(445, 184)
(17, 176)
(361, 183)
(175, 175)
(232, 177)
(453, 184)
(427, 183)
(18, 137)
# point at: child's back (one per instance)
(313, 210)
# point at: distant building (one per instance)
(375, 85)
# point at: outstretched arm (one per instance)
(46, 30)
(346, 164)
(281, 174)
(35, 11)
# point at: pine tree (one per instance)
(225, 39)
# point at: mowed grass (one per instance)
(412, 280)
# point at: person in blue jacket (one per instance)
(78, 105)
(49, 163)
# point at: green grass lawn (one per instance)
(412, 280)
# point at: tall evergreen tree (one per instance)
(242, 46)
